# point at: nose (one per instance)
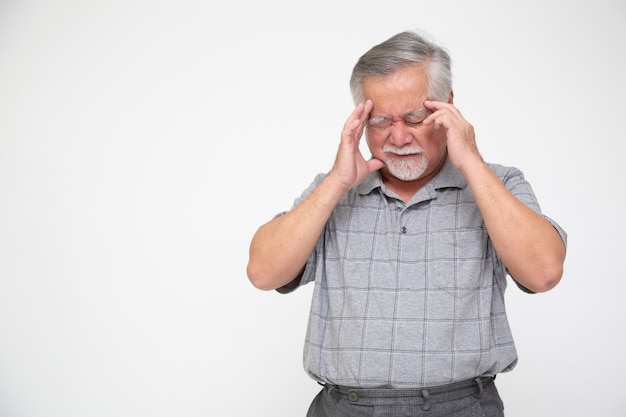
(400, 134)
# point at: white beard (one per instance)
(406, 169)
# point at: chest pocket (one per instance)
(453, 261)
(456, 260)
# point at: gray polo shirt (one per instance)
(409, 295)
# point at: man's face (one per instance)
(395, 133)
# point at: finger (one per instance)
(437, 105)
(364, 117)
(443, 114)
(433, 106)
(356, 122)
(352, 122)
(362, 113)
(354, 115)
(436, 118)
(367, 109)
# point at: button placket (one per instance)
(399, 210)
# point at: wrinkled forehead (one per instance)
(402, 75)
(399, 93)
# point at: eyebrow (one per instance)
(415, 113)
(378, 119)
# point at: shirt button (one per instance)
(353, 396)
(403, 230)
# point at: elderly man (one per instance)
(409, 249)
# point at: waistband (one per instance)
(410, 396)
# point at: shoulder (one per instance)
(503, 171)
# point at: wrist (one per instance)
(335, 183)
(471, 164)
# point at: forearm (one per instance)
(528, 244)
(280, 248)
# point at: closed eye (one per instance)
(413, 121)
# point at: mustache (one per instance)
(402, 150)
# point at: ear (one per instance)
(451, 98)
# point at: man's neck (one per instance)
(407, 189)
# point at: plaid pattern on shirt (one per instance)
(409, 295)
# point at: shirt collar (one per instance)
(448, 177)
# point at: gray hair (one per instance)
(401, 50)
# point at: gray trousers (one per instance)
(474, 398)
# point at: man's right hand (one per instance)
(280, 248)
(351, 168)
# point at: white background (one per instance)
(143, 142)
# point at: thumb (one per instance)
(375, 164)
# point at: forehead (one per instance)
(402, 91)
